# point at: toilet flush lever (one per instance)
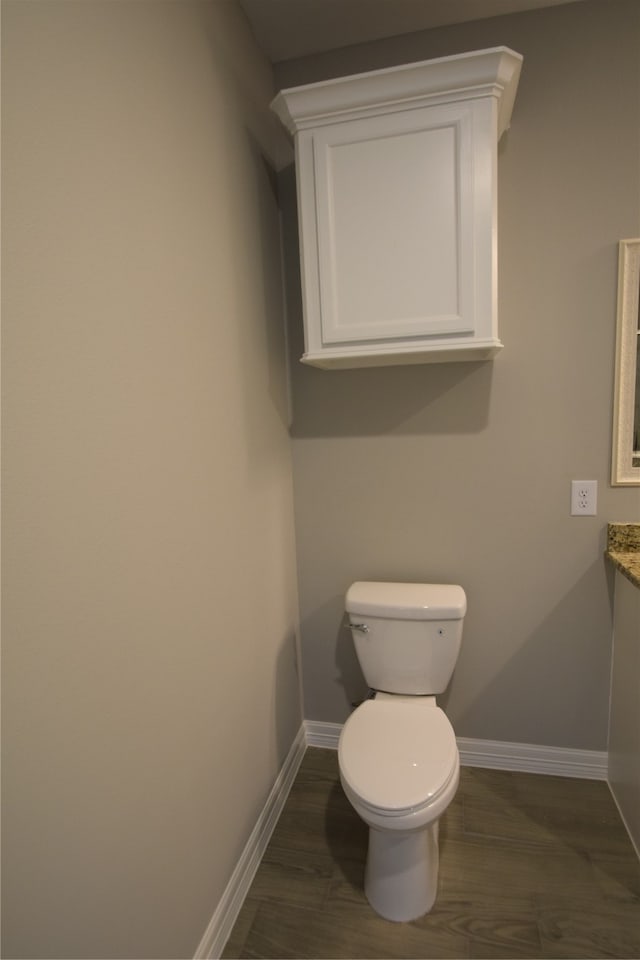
(361, 627)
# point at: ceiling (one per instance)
(286, 29)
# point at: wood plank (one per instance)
(530, 866)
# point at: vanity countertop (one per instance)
(623, 549)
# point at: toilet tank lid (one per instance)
(407, 601)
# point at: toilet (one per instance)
(398, 758)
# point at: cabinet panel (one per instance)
(392, 199)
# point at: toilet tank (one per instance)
(407, 635)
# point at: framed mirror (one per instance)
(625, 463)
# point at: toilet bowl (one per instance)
(399, 768)
(397, 754)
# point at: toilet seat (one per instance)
(398, 755)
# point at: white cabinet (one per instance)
(397, 191)
(624, 709)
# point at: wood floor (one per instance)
(530, 866)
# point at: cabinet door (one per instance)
(396, 226)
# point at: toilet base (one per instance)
(401, 875)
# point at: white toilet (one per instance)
(398, 758)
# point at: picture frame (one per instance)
(625, 461)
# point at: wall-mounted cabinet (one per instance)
(397, 206)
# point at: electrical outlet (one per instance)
(584, 498)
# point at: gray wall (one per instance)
(462, 472)
(150, 692)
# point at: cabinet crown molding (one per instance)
(493, 72)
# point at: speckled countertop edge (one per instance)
(623, 549)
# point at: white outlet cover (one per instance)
(584, 498)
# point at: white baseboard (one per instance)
(496, 754)
(533, 758)
(226, 913)
(321, 734)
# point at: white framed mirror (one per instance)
(625, 463)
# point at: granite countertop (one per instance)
(623, 549)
